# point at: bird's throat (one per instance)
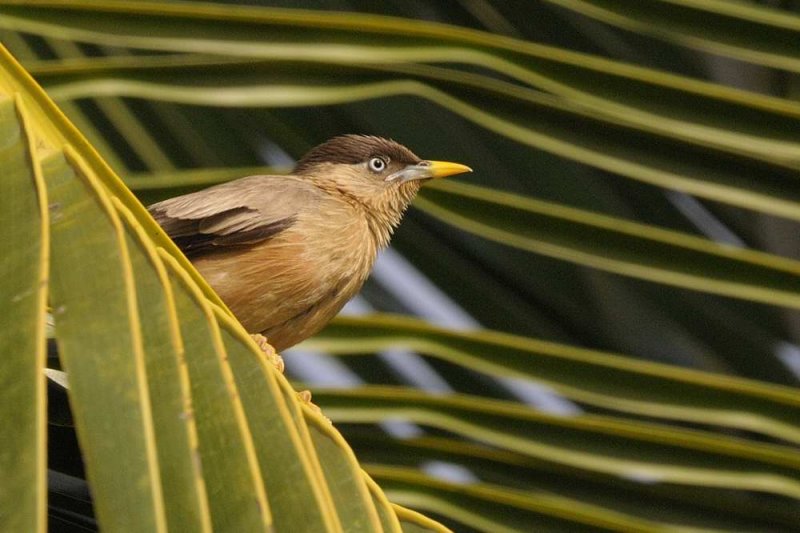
(386, 213)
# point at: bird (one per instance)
(286, 252)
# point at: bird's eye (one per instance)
(376, 164)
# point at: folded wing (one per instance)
(241, 212)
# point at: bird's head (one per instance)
(379, 174)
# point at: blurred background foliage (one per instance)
(606, 310)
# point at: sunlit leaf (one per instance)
(23, 291)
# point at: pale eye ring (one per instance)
(377, 164)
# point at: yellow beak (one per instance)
(427, 169)
(440, 169)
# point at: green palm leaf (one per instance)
(575, 243)
(137, 335)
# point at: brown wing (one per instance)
(240, 212)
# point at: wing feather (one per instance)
(243, 211)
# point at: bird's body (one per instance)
(289, 285)
(285, 253)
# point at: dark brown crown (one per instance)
(353, 149)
